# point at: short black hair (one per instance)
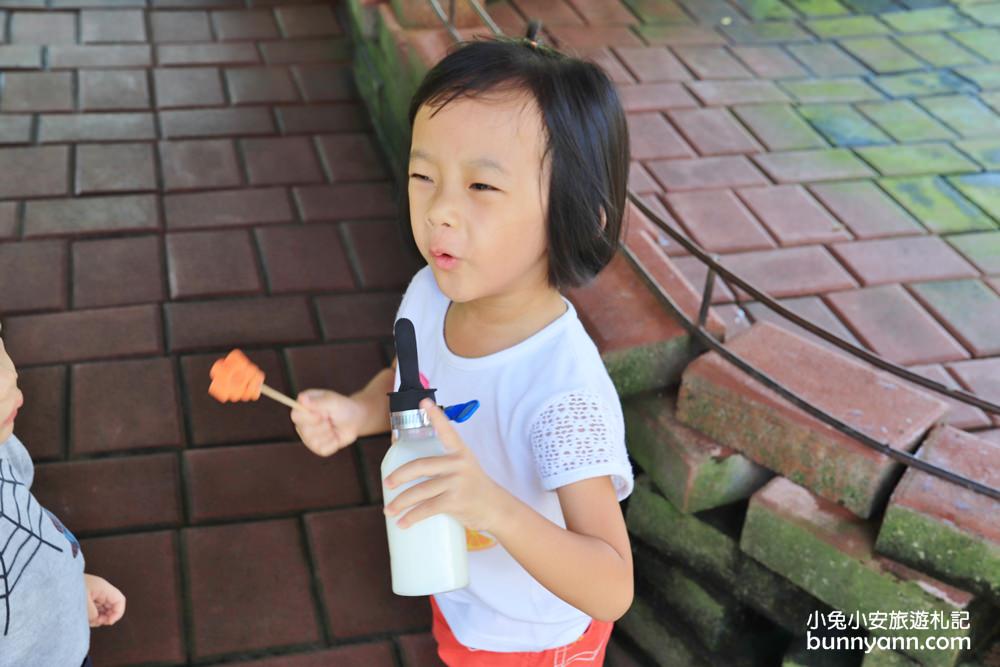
(587, 138)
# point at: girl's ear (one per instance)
(604, 220)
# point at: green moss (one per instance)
(775, 597)
(645, 444)
(649, 367)
(713, 616)
(725, 481)
(941, 549)
(842, 581)
(709, 552)
(692, 483)
(800, 453)
(884, 658)
(662, 643)
(685, 538)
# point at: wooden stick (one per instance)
(281, 398)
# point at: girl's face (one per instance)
(478, 194)
(10, 397)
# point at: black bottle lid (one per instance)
(411, 392)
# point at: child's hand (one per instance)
(331, 423)
(458, 485)
(105, 603)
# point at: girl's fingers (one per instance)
(417, 493)
(430, 466)
(306, 417)
(426, 509)
(323, 443)
(316, 433)
(443, 427)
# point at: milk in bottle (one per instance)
(429, 556)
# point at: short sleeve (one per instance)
(577, 436)
(15, 457)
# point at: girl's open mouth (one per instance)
(445, 261)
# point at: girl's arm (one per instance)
(589, 563)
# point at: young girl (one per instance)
(517, 189)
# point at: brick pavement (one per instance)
(182, 176)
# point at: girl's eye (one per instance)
(479, 187)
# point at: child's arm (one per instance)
(589, 563)
(329, 421)
(376, 401)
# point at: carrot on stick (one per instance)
(236, 378)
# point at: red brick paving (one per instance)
(146, 565)
(91, 215)
(809, 307)
(213, 263)
(790, 272)
(719, 221)
(893, 324)
(118, 271)
(343, 367)
(960, 415)
(652, 137)
(114, 168)
(867, 211)
(265, 320)
(650, 64)
(714, 132)
(792, 215)
(124, 405)
(108, 494)
(981, 377)
(358, 574)
(708, 172)
(231, 608)
(219, 154)
(903, 260)
(230, 482)
(234, 208)
(41, 266)
(42, 420)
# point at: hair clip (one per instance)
(534, 26)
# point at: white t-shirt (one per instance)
(549, 416)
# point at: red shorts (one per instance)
(587, 650)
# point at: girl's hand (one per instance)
(458, 485)
(331, 423)
(105, 603)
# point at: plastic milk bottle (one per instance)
(430, 556)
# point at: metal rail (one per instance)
(700, 334)
(875, 360)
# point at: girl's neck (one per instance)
(490, 324)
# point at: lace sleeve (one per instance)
(578, 436)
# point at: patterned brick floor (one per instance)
(183, 176)
(843, 155)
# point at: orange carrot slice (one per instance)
(235, 378)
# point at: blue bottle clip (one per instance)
(461, 411)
